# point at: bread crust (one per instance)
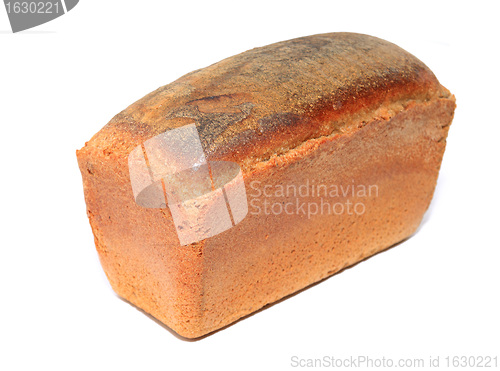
(337, 107)
(268, 100)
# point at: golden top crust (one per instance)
(268, 100)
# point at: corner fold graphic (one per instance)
(27, 14)
(70, 4)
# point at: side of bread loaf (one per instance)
(339, 119)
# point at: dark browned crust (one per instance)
(267, 100)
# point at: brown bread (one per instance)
(341, 111)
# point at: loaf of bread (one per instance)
(240, 183)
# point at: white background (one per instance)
(433, 295)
